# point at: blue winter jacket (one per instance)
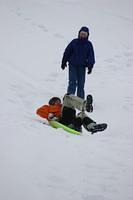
(79, 53)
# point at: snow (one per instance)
(37, 161)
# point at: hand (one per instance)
(50, 116)
(63, 66)
(89, 70)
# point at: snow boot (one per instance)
(93, 127)
(89, 101)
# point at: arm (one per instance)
(43, 111)
(91, 58)
(67, 54)
(49, 111)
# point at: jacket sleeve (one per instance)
(43, 111)
(46, 109)
(67, 53)
(91, 56)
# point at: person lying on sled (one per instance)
(66, 113)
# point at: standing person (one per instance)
(80, 55)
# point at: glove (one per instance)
(89, 70)
(63, 66)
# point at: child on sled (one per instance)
(65, 113)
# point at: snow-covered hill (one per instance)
(36, 161)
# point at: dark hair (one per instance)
(53, 100)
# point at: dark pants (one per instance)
(69, 117)
(76, 80)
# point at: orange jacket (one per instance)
(44, 110)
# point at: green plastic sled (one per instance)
(56, 124)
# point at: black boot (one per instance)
(93, 127)
(89, 101)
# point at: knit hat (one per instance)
(85, 29)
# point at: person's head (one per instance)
(54, 101)
(83, 33)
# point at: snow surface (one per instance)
(36, 161)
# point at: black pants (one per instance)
(69, 117)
